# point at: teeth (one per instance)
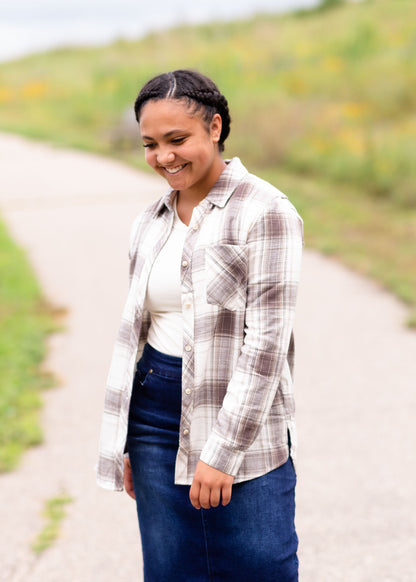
(174, 170)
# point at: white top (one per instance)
(163, 297)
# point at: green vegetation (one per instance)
(25, 321)
(54, 513)
(323, 104)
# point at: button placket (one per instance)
(188, 314)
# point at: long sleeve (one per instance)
(274, 250)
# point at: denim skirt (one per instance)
(252, 539)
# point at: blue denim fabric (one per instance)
(253, 539)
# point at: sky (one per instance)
(33, 25)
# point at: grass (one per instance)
(25, 322)
(329, 95)
(323, 93)
(53, 513)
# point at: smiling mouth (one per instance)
(175, 170)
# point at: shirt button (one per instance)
(188, 391)
(187, 305)
(184, 263)
(186, 432)
(188, 348)
(195, 227)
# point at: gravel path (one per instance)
(355, 385)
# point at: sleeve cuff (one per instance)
(218, 453)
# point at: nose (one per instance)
(165, 156)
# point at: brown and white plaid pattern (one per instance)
(240, 272)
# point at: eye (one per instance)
(149, 145)
(178, 140)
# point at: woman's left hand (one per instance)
(209, 487)
(128, 478)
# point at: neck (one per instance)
(185, 206)
(188, 199)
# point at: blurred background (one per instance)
(27, 27)
(322, 98)
(323, 103)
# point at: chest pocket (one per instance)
(226, 276)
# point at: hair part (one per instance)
(197, 90)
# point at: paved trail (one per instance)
(355, 385)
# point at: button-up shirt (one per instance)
(240, 271)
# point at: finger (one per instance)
(194, 494)
(226, 494)
(204, 496)
(130, 491)
(128, 478)
(215, 497)
(130, 487)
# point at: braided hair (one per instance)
(196, 89)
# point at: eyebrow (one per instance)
(166, 135)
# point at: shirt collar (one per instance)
(228, 181)
(222, 190)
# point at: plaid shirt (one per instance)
(239, 274)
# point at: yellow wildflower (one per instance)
(5, 95)
(354, 110)
(34, 89)
(352, 141)
(333, 64)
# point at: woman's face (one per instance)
(180, 146)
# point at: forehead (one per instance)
(161, 113)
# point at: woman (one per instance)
(207, 425)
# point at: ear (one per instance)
(216, 127)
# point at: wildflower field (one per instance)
(323, 105)
(325, 94)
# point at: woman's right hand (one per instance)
(128, 478)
